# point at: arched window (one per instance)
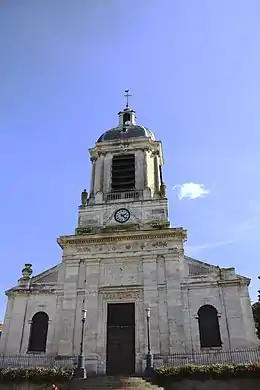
(209, 327)
(38, 333)
(126, 117)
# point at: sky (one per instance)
(193, 71)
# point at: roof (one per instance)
(126, 131)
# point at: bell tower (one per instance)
(127, 189)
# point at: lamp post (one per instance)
(148, 368)
(80, 371)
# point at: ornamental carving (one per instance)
(160, 244)
(117, 295)
(65, 241)
(83, 249)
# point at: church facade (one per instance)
(123, 259)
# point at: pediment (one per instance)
(49, 276)
(197, 267)
(200, 268)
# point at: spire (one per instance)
(127, 95)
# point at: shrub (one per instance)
(215, 371)
(50, 374)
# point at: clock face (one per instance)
(122, 215)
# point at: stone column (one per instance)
(145, 168)
(102, 158)
(93, 160)
(174, 302)
(97, 175)
(156, 173)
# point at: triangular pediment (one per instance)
(200, 268)
(197, 267)
(49, 276)
(45, 278)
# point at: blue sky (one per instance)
(193, 70)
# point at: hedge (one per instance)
(202, 373)
(161, 375)
(50, 374)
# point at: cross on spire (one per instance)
(127, 95)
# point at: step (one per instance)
(106, 382)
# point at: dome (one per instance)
(123, 132)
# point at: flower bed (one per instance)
(36, 375)
(202, 373)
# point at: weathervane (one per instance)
(127, 95)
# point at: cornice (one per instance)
(198, 284)
(134, 144)
(73, 240)
(18, 291)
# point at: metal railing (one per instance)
(37, 360)
(242, 356)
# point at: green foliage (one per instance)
(49, 375)
(215, 371)
(256, 314)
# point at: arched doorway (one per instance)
(209, 327)
(38, 332)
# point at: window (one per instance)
(38, 333)
(209, 327)
(123, 172)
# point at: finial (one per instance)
(127, 95)
(27, 271)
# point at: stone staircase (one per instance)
(110, 382)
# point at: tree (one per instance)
(256, 314)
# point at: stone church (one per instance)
(124, 258)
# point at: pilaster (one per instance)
(151, 299)
(16, 330)
(174, 302)
(162, 305)
(91, 304)
(107, 171)
(68, 313)
(156, 173)
(7, 325)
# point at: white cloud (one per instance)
(190, 190)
